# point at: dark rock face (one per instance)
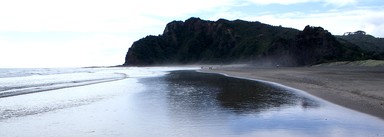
(316, 45)
(223, 41)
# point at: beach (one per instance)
(357, 88)
(173, 102)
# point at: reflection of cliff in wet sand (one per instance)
(237, 95)
(359, 88)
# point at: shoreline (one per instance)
(357, 88)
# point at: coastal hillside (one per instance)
(369, 43)
(224, 41)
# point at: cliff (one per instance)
(224, 41)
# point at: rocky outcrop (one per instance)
(223, 41)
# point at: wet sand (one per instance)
(357, 88)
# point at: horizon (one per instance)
(83, 33)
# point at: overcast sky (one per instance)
(77, 33)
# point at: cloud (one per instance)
(335, 21)
(340, 3)
(74, 16)
(282, 2)
(109, 26)
(290, 2)
(96, 15)
(90, 50)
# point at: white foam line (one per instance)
(36, 89)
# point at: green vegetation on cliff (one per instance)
(374, 46)
(223, 41)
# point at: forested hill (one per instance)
(369, 43)
(224, 41)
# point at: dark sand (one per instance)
(358, 88)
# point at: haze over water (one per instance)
(150, 102)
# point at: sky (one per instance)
(80, 33)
